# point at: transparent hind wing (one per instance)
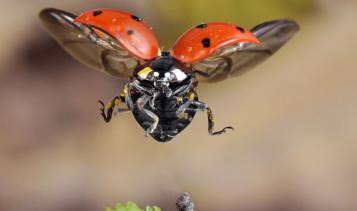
(89, 45)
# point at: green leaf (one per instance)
(149, 208)
(120, 207)
(154, 208)
(131, 206)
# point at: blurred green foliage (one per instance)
(131, 206)
(176, 16)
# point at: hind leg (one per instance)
(195, 105)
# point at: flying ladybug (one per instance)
(161, 87)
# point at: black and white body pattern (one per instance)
(162, 98)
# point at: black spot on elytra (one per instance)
(240, 29)
(130, 32)
(97, 12)
(201, 26)
(136, 18)
(206, 42)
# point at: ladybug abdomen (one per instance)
(165, 109)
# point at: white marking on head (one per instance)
(180, 75)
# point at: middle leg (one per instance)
(141, 102)
(107, 111)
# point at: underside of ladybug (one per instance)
(161, 91)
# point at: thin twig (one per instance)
(184, 203)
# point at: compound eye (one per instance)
(179, 74)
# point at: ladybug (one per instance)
(161, 88)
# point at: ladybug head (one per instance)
(162, 64)
(163, 73)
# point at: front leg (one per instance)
(107, 111)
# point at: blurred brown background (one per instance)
(294, 147)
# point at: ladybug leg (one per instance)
(107, 111)
(200, 106)
(152, 101)
(181, 111)
(211, 124)
(141, 102)
(148, 96)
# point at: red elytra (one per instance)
(129, 30)
(200, 42)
